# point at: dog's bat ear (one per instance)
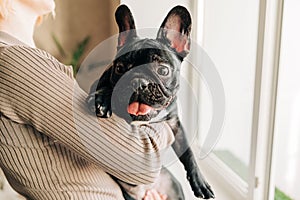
(176, 29)
(126, 25)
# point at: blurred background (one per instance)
(254, 45)
(78, 26)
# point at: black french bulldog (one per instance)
(145, 77)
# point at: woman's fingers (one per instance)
(164, 197)
(154, 195)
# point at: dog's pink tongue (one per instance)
(137, 108)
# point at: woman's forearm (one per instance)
(38, 92)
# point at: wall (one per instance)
(75, 20)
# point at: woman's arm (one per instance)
(35, 90)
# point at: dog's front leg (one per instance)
(181, 147)
(99, 99)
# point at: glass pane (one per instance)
(287, 124)
(230, 39)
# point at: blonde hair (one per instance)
(5, 8)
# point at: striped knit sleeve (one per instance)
(35, 90)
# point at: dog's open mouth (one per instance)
(140, 105)
(137, 108)
(142, 113)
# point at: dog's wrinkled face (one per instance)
(145, 75)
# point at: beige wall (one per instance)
(76, 19)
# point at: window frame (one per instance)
(260, 184)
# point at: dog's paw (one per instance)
(100, 105)
(199, 186)
(103, 111)
(103, 107)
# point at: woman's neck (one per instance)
(20, 23)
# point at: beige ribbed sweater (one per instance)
(52, 147)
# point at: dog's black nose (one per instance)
(139, 83)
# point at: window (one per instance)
(286, 160)
(264, 163)
(230, 33)
(230, 40)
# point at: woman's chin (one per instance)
(49, 7)
(42, 7)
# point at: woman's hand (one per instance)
(154, 195)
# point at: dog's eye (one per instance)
(120, 68)
(163, 70)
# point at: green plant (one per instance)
(279, 195)
(74, 57)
